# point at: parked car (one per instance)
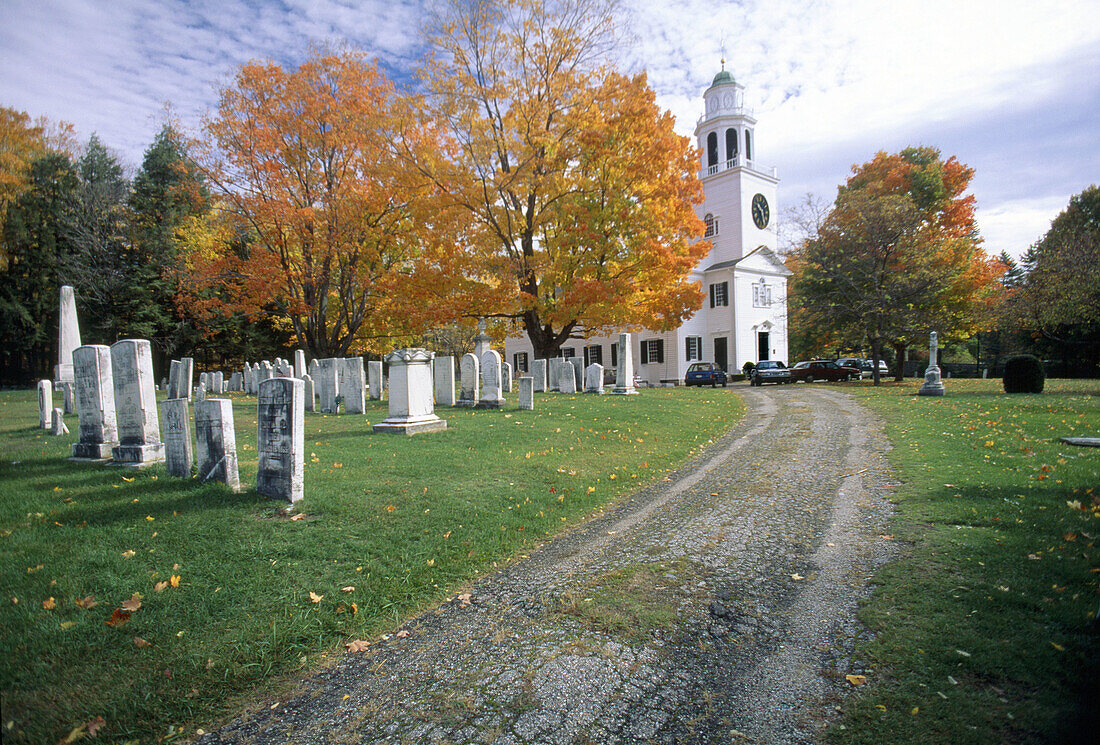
(856, 362)
(770, 371)
(868, 368)
(705, 373)
(815, 370)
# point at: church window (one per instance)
(719, 294)
(761, 294)
(519, 361)
(693, 348)
(568, 352)
(712, 225)
(593, 355)
(748, 145)
(615, 354)
(731, 146)
(712, 149)
(653, 351)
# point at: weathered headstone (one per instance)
(526, 393)
(506, 377)
(280, 439)
(200, 391)
(68, 336)
(933, 385)
(314, 369)
(187, 371)
(578, 372)
(374, 379)
(410, 406)
(309, 394)
(468, 383)
(235, 382)
(553, 374)
(68, 395)
(538, 375)
(593, 378)
(173, 379)
(491, 395)
(135, 404)
(444, 375)
(57, 425)
(330, 384)
(567, 382)
(352, 386)
(299, 362)
(246, 376)
(217, 442)
(178, 454)
(95, 403)
(45, 403)
(624, 370)
(219, 382)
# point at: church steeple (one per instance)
(725, 131)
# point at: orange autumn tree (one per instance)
(575, 191)
(319, 209)
(898, 255)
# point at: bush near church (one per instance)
(1024, 374)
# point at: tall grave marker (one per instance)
(135, 404)
(95, 403)
(68, 336)
(217, 442)
(280, 439)
(178, 454)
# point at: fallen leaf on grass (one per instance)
(299, 516)
(86, 603)
(856, 680)
(49, 603)
(118, 618)
(464, 599)
(174, 580)
(314, 597)
(133, 604)
(359, 645)
(354, 609)
(914, 711)
(95, 725)
(349, 588)
(159, 586)
(68, 624)
(1059, 647)
(32, 570)
(796, 576)
(141, 643)
(128, 553)
(75, 734)
(402, 634)
(880, 707)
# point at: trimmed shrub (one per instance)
(1024, 374)
(748, 367)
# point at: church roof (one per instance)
(763, 252)
(722, 77)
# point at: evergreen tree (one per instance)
(35, 239)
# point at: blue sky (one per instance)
(1011, 88)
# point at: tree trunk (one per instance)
(899, 360)
(876, 353)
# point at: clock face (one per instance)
(760, 212)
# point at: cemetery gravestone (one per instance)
(527, 393)
(933, 385)
(567, 383)
(68, 395)
(444, 373)
(506, 377)
(538, 375)
(553, 374)
(578, 372)
(178, 455)
(45, 403)
(374, 379)
(624, 371)
(330, 385)
(491, 395)
(187, 371)
(593, 378)
(299, 363)
(95, 403)
(173, 379)
(68, 336)
(308, 393)
(280, 439)
(351, 386)
(411, 410)
(469, 373)
(135, 404)
(58, 423)
(217, 442)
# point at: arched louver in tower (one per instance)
(748, 145)
(731, 145)
(712, 149)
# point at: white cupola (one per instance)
(725, 131)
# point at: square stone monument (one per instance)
(280, 439)
(492, 396)
(178, 453)
(217, 442)
(299, 362)
(469, 380)
(95, 403)
(624, 370)
(139, 442)
(411, 408)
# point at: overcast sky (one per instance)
(1011, 88)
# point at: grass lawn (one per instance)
(392, 525)
(983, 623)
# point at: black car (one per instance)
(770, 371)
(705, 373)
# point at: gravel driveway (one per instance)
(717, 605)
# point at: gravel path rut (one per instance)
(752, 559)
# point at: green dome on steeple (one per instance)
(723, 77)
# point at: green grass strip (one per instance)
(406, 522)
(983, 623)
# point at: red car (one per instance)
(814, 370)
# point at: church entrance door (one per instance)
(762, 346)
(720, 353)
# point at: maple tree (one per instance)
(575, 194)
(314, 223)
(898, 255)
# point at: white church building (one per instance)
(744, 313)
